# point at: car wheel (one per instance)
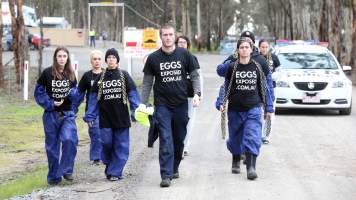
(346, 111)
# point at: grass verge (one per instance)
(24, 184)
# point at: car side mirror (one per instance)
(346, 68)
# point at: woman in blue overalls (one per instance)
(246, 91)
(55, 92)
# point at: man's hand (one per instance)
(58, 103)
(196, 100)
(90, 124)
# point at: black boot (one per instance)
(251, 166)
(235, 169)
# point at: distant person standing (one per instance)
(55, 92)
(84, 90)
(104, 36)
(166, 69)
(184, 42)
(273, 63)
(92, 34)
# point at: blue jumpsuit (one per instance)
(114, 138)
(60, 133)
(245, 128)
(84, 88)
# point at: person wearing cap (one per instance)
(166, 69)
(247, 91)
(85, 86)
(55, 92)
(111, 95)
(184, 42)
(273, 62)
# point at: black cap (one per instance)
(248, 34)
(113, 52)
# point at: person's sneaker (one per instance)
(96, 162)
(68, 177)
(265, 141)
(165, 182)
(114, 178)
(175, 175)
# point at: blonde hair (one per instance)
(96, 52)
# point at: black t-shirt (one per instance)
(244, 93)
(171, 86)
(113, 112)
(86, 83)
(57, 89)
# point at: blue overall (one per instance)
(115, 142)
(60, 134)
(94, 132)
(245, 129)
(172, 125)
(115, 151)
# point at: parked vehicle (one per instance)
(311, 77)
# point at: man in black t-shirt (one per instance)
(84, 88)
(109, 99)
(168, 68)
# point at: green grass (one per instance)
(24, 184)
(22, 153)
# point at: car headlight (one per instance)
(282, 84)
(339, 84)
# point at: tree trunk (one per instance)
(165, 14)
(174, 9)
(1, 64)
(184, 17)
(353, 51)
(16, 33)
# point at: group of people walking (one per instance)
(112, 97)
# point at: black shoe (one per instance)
(54, 183)
(68, 177)
(235, 169)
(265, 140)
(251, 166)
(96, 162)
(165, 182)
(175, 175)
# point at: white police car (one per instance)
(311, 77)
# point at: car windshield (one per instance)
(307, 61)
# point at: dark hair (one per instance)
(262, 41)
(68, 70)
(184, 38)
(241, 40)
(248, 34)
(113, 52)
(166, 26)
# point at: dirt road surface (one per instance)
(312, 155)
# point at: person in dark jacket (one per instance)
(84, 88)
(110, 98)
(55, 92)
(273, 62)
(246, 93)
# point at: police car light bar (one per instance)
(302, 42)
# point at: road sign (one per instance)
(134, 42)
(150, 37)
